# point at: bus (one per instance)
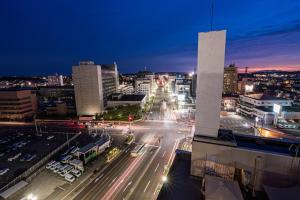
(137, 150)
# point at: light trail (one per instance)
(112, 190)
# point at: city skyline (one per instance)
(264, 36)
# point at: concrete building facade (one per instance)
(17, 103)
(92, 85)
(211, 55)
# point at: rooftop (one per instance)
(14, 89)
(261, 96)
(128, 97)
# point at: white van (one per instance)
(49, 164)
(54, 165)
(67, 170)
(62, 169)
(76, 172)
(70, 178)
(57, 168)
(66, 159)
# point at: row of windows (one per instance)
(16, 99)
(14, 104)
(16, 107)
(22, 112)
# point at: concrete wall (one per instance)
(272, 169)
(88, 89)
(211, 55)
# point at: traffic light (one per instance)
(130, 117)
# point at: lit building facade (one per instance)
(92, 85)
(17, 103)
(230, 81)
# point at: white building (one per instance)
(261, 106)
(93, 84)
(55, 80)
(143, 86)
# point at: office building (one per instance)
(261, 106)
(230, 81)
(119, 99)
(17, 103)
(143, 86)
(183, 87)
(92, 85)
(55, 80)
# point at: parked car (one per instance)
(70, 178)
(67, 170)
(75, 150)
(57, 168)
(50, 164)
(66, 159)
(53, 166)
(76, 172)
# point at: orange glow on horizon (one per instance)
(282, 68)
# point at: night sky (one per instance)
(39, 37)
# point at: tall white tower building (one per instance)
(211, 55)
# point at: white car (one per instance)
(76, 172)
(54, 165)
(66, 171)
(62, 169)
(70, 178)
(66, 159)
(74, 150)
(57, 168)
(50, 164)
(4, 171)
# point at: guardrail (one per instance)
(28, 175)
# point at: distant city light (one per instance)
(249, 88)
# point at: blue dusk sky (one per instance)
(40, 37)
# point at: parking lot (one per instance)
(21, 148)
(42, 146)
(237, 124)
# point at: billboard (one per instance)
(276, 108)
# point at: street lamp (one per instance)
(164, 179)
(31, 197)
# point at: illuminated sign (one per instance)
(277, 108)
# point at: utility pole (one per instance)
(212, 15)
(36, 128)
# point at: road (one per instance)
(141, 177)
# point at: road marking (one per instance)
(61, 188)
(156, 167)
(112, 181)
(97, 179)
(127, 186)
(156, 189)
(164, 154)
(146, 186)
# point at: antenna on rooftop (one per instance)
(212, 15)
